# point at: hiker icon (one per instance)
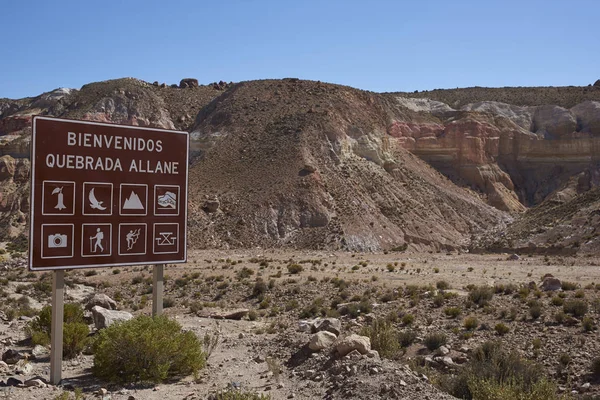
(96, 240)
(98, 243)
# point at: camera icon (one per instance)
(57, 240)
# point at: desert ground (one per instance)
(265, 351)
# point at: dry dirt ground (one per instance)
(265, 352)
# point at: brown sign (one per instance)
(106, 195)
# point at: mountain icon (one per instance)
(133, 202)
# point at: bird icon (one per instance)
(94, 203)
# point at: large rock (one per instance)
(102, 300)
(554, 121)
(332, 325)
(188, 82)
(588, 117)
(362, 344)
(12, 356)
(104, 318)
(321, 340)
(522, 116)
(551, 283)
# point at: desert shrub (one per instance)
(406, 338)
(442, 285)
(470, 323)
(137, 280)
(575, 307)
(146, 349)
(535, 310)
(408, 319)
(501, 329)
(239, 395)
(481, 295)
(560, 317)
(438, 300)
(295, 268)
(569, 285)
(595, 367)
(383, 337)
(314, 309)
(168, 302)
(434, 341)
(580, 294)
(452, 312)
(588, 324)
(496, 374)
(557, 301)
(260, 288)
(244, 273)
(75, 330)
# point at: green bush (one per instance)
(442, 285)
(240, 395)
(75, 330)
(146, 349)
(434, 341)
(471, 323)
(295, 268)
(575, 307)
(384, 337)
(481, 295)
(501, 329)
(496, 374)
(452, 312)
(406, 338)
(535, 310)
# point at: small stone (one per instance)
(443, 350)
(259, 359)
(332, 325)
(241, 335)
(402, 383)
(280, 386)
(353, 342)
(102, 392)
(12, 381)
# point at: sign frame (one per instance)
(36, 223)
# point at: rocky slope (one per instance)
(307, 164)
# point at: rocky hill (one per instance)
(312, 165)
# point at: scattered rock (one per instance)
(443, 350)
(332, 325)
(235, 315)
(104, 318)
(211, 205)
(353, 342)
(13, 381)
(321, 340)
(101, 300)
(514, 257)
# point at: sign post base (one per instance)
(56, 336)
(158, 289)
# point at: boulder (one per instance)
(102, 300)
(362, 344)
(597, 83)
(321, 340)
(35, 383)
(588, 117)
(554, 121)
(551, 283)
(11, 356)
(104, 318)
(39, 351)
(188, 83)
(332, 325)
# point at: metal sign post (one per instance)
(56, 327)
(105, 195)
(157, 289)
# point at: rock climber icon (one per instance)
(132, 238)
(98, 243)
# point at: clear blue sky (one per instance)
(373, 45)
